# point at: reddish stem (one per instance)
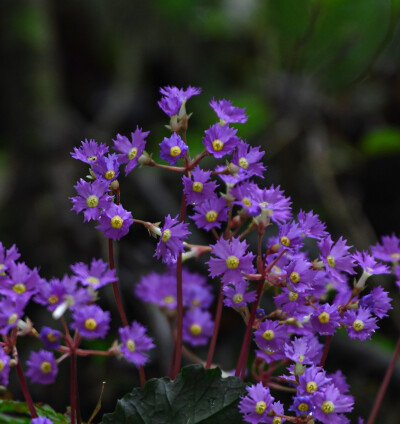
(384, 384)
(25, 390)
(217, 322)
(115, 285)
(326, 350)
(73, 387)
(142, 376)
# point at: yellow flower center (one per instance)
(331, 261)
(300, 358)
(93, 280)
(175, 151)
(19, 288)
(268, 334)
(90, 324)
(92, 158)
(92, 201)
(132, 153)
(232, 262)
(166, 235)
(197, 186)
(243, 163)
(217, 145)
(53, 299)
(246, 201)
(294, 277)
(261, 406)
(45, 367)
(238, 298)
(285, 241)
(196, 329)
(12, 318)
(328, 407)
(1, 365)
(196, 302)
(116, 222)
(277, 420)
(324, 317)
(358, 325)
(169, 299)
(110, 174)
(311, 387)
(293, 296)
(303, 407)
(395, 256)
(51, 337)
(130, 344)
(211, 216)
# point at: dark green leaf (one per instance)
(196, 396)
(12, 412)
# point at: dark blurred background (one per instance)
(321, 83)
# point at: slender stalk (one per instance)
(115, 285)
(326, 350)
(384, 384)
(142, 376)
(25, 390)
(73, 387)
(217, 322)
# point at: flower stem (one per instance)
(115, 285)
(25, 390)
(384, 384)
(73, 387)
(217, 322)
(326, 350)
(142, 376)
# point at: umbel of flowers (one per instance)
(313, 296)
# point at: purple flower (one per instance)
(336, 257)
(106, 168)
(302, 405)
(196, 293)
(91, 321)
(55, 292)
(135, 343)
(330, 404)
(4, 368)
(11, 312)
(298, 350)
(91, 199)
(325, 319)
(7, 256)
(378, 302)
(22, 281)
(210, 213)
(173, 148)
(256, 405)
(41, 420)
(159, 289)
(389, 250)
(174, 97)
(115, 222)
(42, 367)
(248, 159)
(290, 237)
(197, 327)
(293, 303)
(360, 324)
(274, 204)
(220, 140)
(130, 150)
(235, 296)
(369, 264)
(312, 381)
(299, 275)
(89, 151)
(230, 260)
(197, 188)
(270, 338)
(170, 243)
(243, 193)
(51, 338)
(97, 275)
(311, 226)
(227, 113)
